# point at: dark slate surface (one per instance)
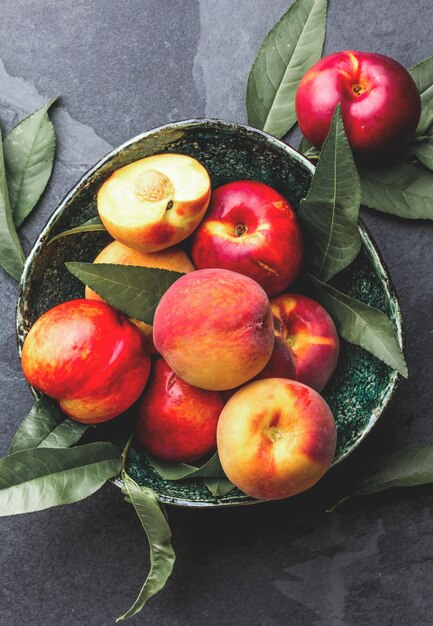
(124, 67)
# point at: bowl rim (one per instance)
(366, 237)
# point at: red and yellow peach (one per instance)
(214, 328)
(276, 438)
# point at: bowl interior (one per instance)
(361, 386)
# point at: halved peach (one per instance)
(174, 259)
(155, 202)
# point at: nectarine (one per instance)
(380, 104)
(177, 422)
(306, 342)
(88, 356)
(251, 229)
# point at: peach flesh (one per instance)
(155, 202)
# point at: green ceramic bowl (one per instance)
(361, 386)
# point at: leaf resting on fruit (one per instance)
(135, 291)
(290, 48)
(331, 209)
(362, 325)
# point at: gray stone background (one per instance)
(122, 68)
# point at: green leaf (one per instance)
(135, 291)
(162, 556)
(291, 47)
(362, 325)
(405, 190)
(331, 209)
(406, 468)
(218, 486)
(11, 253)
(178, 471)
(29, 156)
(91, 226)
(422, 73)
(38, 478)
(47, 427)
(423, 152)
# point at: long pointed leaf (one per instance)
(38, 478)
(422, 73)
(291, 47)
(135, 291)
(423, 152)
(11, 252)
(179, 471)
(331, 209)
(405, 190)
(218, 486)
(362, 325)
(93, 225)
(47, 427)
(29, 156)
(405, 468)
(162, 556)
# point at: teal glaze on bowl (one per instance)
(361, 386)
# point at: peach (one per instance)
(306, 342)
(155, 202)
(214, 328)
(275, 438)
(88, 356)
(174, 259)
(177, 422)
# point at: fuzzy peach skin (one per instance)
(177, 422)
(88, 356)
(275, 438)
(155, 202)
(251, 229)
(174, 259)
(306, 342)
(214, 328)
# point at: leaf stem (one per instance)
(126, 450)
